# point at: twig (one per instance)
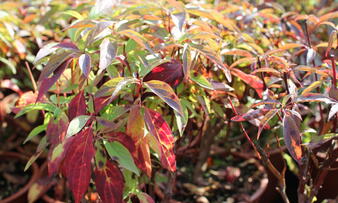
(31, 77)
(244, 131)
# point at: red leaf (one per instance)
(252, 80)
(46, 83)
(292, 137)
(164, 137)
(57, 154)
(76, 165)
(100, 102)
(77, 106)
(109, 183)
(170, 72)
(135, 129)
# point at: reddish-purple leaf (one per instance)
(54, 63)
(252, 80)
(56, 131)
(292, 137)
(77, 106)
(56, 155)
(107, 53)
(77, 163)
(85, 64)
(164, 137)
(47, 83)
(250, 115)
(109, 183)
(100, 103)
(170, 72)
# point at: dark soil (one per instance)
(227, 179)
(12, 177)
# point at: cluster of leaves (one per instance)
(104, 89)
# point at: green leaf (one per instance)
(40, 106)
(113, 112)
(114, 86)
(139, 39)
(37, 130)
(117, 151)
(201, 80)
(77, 124)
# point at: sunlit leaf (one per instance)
(315, 98)
(135, 129)
(252, 80)
(165, 140)
(312, 87)
(238, 52)
(333, 111)
(186, 57)
(166, 93)
(77, 124)
(85, 64)
(179, 20)
(74, 14)
(107, 53)
(138, 38)
(214, 58)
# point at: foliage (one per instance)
(110, 70)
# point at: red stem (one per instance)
(334, 80)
